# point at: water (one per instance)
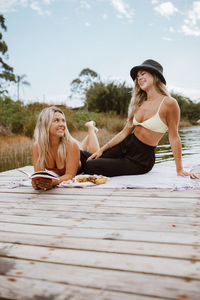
(190, 138)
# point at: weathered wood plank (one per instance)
(91, 200)
(107, 280)
(113, 261)
(109, 216)
(143, 224)
(148, 236)
(117, 246)
(12, 287)
(192, 211)
(82, 194)
(103, 192)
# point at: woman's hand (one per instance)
(42, 183)
(97, 154)
(184, 173)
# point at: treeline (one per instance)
(190, 111)
(18, 118)
(102, 96)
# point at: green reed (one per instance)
(15, 152)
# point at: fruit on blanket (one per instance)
(95, 179)
(81, 179)
(100, 180)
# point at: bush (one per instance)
(82, 116)
(112, 122)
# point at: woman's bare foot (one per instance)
(91, 124)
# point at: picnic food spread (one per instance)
(91, 178)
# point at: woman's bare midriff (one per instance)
(147, 136)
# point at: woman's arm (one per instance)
(35, 155)
(72, 162)
(42, 183)
(119, 137)
(173, 118)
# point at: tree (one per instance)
(189, 110)
(6, 72)
(12, 114)
(85, 80)
(112, 96)
(20, 81)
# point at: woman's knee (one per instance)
(93, 167)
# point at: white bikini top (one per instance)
(154, 123)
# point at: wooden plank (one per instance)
(104, 192)
(101, 195)
(148, 236)
(109, 216)
(136, 224)
(124, 247)
(91, 200)
(113, 261)
(13, 286)
(106, 280)
(192, 211)
(149, 193)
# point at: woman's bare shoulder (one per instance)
(171, 102)
(35, 146)
(72, 143)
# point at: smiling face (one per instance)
(58, 125)
(145, 80)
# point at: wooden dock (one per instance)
(98, 244)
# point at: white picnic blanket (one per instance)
(162, 175)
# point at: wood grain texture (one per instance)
(98, 244)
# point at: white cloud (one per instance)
(24, 2)
(194, 14)
(7, 5)
(190, 30)
(36, 6)
(85, 4)
(11, 5)
(87, 24)
(155, 1)
(171, 29)
(191, 26)
(48, 1)
(105, 16)
(167, 39)
(166, 9)
(122, 9)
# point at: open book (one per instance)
(44, 174)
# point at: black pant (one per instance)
(130, 157)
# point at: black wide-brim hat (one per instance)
(150, 66)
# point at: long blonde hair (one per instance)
(41, 135)
(139, 96)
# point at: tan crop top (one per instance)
(154, 123)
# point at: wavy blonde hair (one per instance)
(41, 135)
(139, 96)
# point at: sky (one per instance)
(52, 41)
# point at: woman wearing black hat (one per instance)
(152, 111)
